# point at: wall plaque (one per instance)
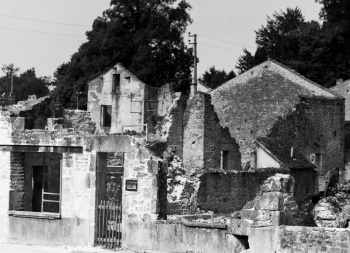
(131, 185)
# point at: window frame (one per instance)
(104, 109)
(41, 214)
(116, 82)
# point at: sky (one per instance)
(45, 46)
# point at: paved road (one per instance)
(17, 248)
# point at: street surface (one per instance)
(18, 248)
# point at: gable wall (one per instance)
(250, 109)
(124, 112)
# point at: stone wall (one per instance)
(308, 239)
(79, 120)
(127, 102)
(273, 101)
(82, 162)
(204, 138)
(222, 192)
(193, 146)
(168, 237)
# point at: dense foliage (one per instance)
(25, 84)
(319, 51)
(214, 78)
(145, 36)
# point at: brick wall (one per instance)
(17, 181)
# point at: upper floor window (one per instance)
(115, 82)
(106, 115)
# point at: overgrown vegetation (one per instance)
(319, 51)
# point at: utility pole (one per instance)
(10, 70)
(194, 84)
(78, 93)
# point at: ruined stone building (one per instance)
(273, 101)
(343, 89)
(162, 152)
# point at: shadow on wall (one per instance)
(295, 129)
(226, 192)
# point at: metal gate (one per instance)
(109, 224)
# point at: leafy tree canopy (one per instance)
(25, 84)
(317, 51)
(146, 36)
(214, 78)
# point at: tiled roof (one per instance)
(313, 89)
(282, 153)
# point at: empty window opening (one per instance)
(243, 239)
(106, 115)
(36, 182)
(116, 83)
(316, 158)
(225, 155)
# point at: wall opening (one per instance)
(116, 83)
(36, 182)
(243, 239)
(114, 175)
(225, 159)
(106, 115)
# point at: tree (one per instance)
(277, 40)
(145, 36)
(318, 51)
(214, 78)
(25, 84)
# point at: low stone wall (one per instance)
(310, 239)
(225, 192)
(167, 237)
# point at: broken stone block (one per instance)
(269, 201)
(278, 183)
(328, 213)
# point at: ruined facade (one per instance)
(173, 156)
(343, 89)
(52, 181)
(116, 101)
(273, 101)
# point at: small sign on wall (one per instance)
(131, 185)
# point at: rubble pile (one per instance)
(182, 189)
(274, 205)
(334, 211)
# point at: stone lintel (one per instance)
(34, 148)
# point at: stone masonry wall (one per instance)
(140, 165)
(193, 145)
(228, 192)
(217, 139)
(308, 239)
(264, 102)
(204, 138)
(315, 126)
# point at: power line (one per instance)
(226, 41)
(43, 21)
(22, 30)
(219, 47)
